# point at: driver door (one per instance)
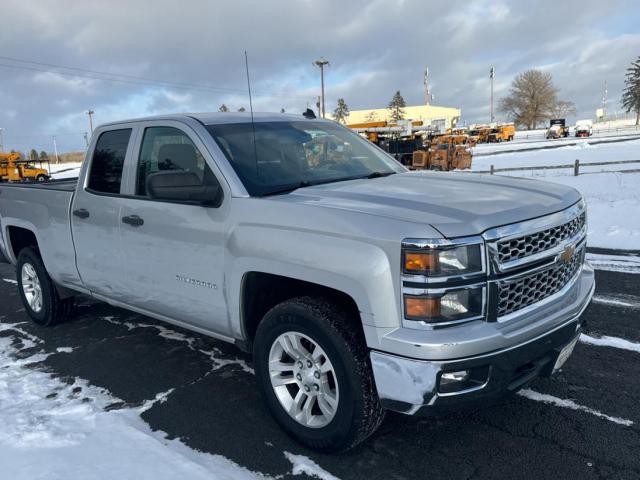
(173, 250)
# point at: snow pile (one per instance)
(54, 430)
(304, 465)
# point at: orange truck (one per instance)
(13, 169)
(502, 133)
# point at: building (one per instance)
(443, 117)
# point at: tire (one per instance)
(41, 178)
(33, 280)
(355, 408)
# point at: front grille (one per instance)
(531, 244)
(514, 295)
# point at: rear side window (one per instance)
(105, 175)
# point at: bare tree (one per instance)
(631, 92)
(563, 109)
(371, 116)
(533, 99)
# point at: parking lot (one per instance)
(583, 423)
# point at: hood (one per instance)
(456, 204)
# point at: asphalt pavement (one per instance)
(214, 405)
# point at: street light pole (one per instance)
(321, 62)
(55, 149)
(1, 141)
(90, 113)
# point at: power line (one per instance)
(124, 78)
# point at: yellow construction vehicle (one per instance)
(480, 134)
(445, 152)
(502, 133)
(13, 169)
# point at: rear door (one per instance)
(173, 250)
(95, 213)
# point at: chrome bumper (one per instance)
(411, 385)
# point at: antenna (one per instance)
(253, 125)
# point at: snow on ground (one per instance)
(54, 430)
(60, 171)
(585, 152)
(614, 263)
(562, 403)
(613, 198)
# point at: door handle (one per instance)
(133, 220)
(81, 213)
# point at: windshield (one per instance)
(290, 155)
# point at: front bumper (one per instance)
(411, 386)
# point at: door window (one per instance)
(168, 149)
(105, 175)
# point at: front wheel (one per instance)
(315, 375)
(38, 292)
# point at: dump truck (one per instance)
(13, 169)
(502, 133)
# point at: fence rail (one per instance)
(575, 165)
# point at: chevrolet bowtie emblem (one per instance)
(567, 254)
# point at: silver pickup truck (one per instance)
(358, 286)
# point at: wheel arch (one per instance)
(261, 291)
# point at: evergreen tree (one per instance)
(44, 156)
(223, 108)
(631, 92)
(33, 154)
(241, 109)
(396, 106)
(341, 112)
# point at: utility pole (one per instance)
(427, 93)
(318, 106)
(492, 74)
(1, 141)
(321, 62)
(90, 113)
(604, 102)
(55, 149)
(86, 139)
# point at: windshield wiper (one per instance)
(380, 174)
(287, 188)
(306, 183)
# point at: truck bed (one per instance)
(42, 208)
(65, 185)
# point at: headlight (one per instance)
(446, 260)
(449, 307)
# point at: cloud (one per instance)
(375, 48)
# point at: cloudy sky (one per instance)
(138, 57)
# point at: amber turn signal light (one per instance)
(420, 262)
(421, 308)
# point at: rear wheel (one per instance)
(38, 292)
(314, 372)
(41, 178)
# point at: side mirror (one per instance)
(184, 187)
